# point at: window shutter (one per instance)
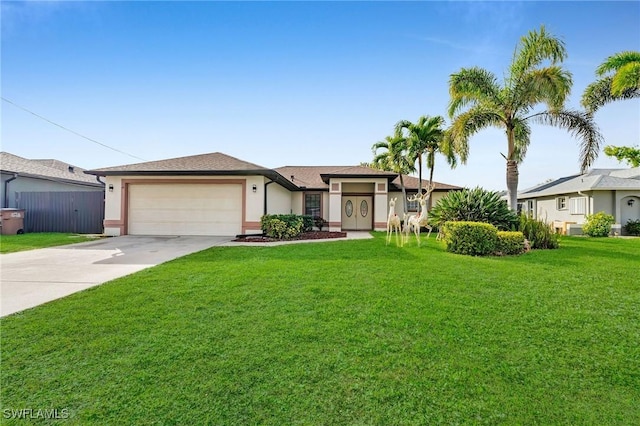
(578, 205)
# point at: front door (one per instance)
(357, 213)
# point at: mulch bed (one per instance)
(312, 235)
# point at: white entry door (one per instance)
(357, 213)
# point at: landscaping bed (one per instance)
(311, 235)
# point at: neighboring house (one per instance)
(567, 201)
(57, 196)
(216, 194)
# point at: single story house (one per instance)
(567, 201)
(216, 194)
(57, 197)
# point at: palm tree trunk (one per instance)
(404, 195)
(420, 174)
(433, 166)
(512, 169)
(512, 184)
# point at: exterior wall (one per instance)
(325, 205)
(547, 209)
(29, 184)
(609, 202)
(625, 211)
(297, 202)
(437, 196)
(604, 201)
(254, 207)
(357, 188)
(278, 200)
(614, 203)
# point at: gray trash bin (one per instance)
(11, 221)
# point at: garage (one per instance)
(185, 209)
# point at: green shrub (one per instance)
(632, 227)
(541, 235)
(598, 225)
(319, 222)
(471, 238)
(307, 223)
(282, 226)
(474, 205)
(510, 242)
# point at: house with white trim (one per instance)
(567, 201)
(216, 194)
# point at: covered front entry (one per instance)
(357, 212)
(185, 209)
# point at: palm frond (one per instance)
(627, 77)
(535, 48)
(471, 86)
(469, 123)
(549, 85)
(617, 61)
(522, 133)
(598, 93)
(580, 125)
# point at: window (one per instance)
(578, 205)
(412, 206)
(531, 207)
(561, 203)
(312, 204)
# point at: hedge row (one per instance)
(481, 239)
(285, 226)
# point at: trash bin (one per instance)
(11, 221)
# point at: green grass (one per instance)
(14, 243)
(348, 332)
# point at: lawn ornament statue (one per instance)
(413, 223)
(393, 222)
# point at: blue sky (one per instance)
(286, 83)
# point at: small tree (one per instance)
(624, 153)
(394, 158)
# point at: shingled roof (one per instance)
(215, 161)
(594, 180)
(213, 164)
(291, 177)
(54, 170)
(317, 177)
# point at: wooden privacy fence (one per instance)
(79, 212)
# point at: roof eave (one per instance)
(327, 176)
(54, 179)
(271, 174)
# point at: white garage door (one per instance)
(185, 209)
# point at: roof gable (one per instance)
(215, 161)
(46, 169)
(596, 179)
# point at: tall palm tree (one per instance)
(394, 158)
(426, 138)
(619, 79)
(479, 101)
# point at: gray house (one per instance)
(567, 201)
(57, 197)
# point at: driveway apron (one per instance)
(34, 277)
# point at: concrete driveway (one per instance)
(30, 278)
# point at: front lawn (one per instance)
(14, 243)
(348, 332)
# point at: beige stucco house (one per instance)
(567, 201)
(216, 194)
